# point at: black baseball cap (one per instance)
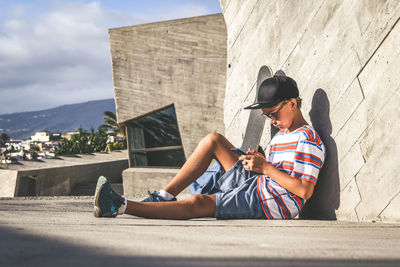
(274, 90)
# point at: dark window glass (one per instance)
(154, 140)
(157, 129)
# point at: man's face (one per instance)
(279, 115)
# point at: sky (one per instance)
(56, 52)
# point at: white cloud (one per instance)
(59, 54)
(57, 57)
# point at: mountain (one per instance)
(66, 118)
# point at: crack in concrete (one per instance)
(227, 5)
(373, 121)
(358, 191)
(244, 24)
(302, 35)
(367, 128)
(390, 202)
(362, 90)
(237, 36)
(359, 59)
(342, 96)
(238, 111)
(233, 119)
(344, 124)
(377, 48)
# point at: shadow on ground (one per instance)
(23, 249)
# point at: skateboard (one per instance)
(256, 122)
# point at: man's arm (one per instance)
(255, 162)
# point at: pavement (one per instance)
(62, 231)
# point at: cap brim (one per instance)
(260, 105)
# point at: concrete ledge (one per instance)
(59, 177)
(8, 182)
(137, 181)
(61, 180)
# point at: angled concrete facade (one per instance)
(180, 62)
(345, 58)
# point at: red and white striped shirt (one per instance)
(301, 154)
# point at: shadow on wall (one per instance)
(326, 197)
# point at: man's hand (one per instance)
(254, 161)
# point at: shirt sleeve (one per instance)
(308, 160)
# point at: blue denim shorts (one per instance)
(237, 196)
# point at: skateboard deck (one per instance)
(256, 122)
(275, 130)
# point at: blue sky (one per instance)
(55, 52)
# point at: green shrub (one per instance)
(84, 142)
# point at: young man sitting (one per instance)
(252, 186)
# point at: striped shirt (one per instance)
(300, 154)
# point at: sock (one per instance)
(122, 209)
(165, 195)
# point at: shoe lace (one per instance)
(116, 199)
(153, 196)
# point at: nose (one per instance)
(272, 121)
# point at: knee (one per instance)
(198, 202)
(213, 138)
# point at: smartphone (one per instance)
(238, 151)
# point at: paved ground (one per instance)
(61, 231)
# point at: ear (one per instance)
(293, 103)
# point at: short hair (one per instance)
(299, 101)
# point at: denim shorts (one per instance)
(237, 196)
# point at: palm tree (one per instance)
(111, 123)
(4, 138)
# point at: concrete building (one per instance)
(345, 58)
(68, 135)
(14, 144)
(169, 84)
(42, 136)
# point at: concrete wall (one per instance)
(8, 182)
(345, 57)
(137, 181)
(58, 181)
(181, 62)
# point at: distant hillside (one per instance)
(65, 118)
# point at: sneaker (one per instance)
(154, 197)
(106, 201)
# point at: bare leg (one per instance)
(193, 207)
(213, 146)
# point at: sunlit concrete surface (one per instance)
(60, 176)
(344, 56)
(61, 231)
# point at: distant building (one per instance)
(13, 144)
(68, 135)
(46, 136)
(42, 136)
(56, 137)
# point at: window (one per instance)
(154, 140)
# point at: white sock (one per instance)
(122, 209)
(165, 195)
